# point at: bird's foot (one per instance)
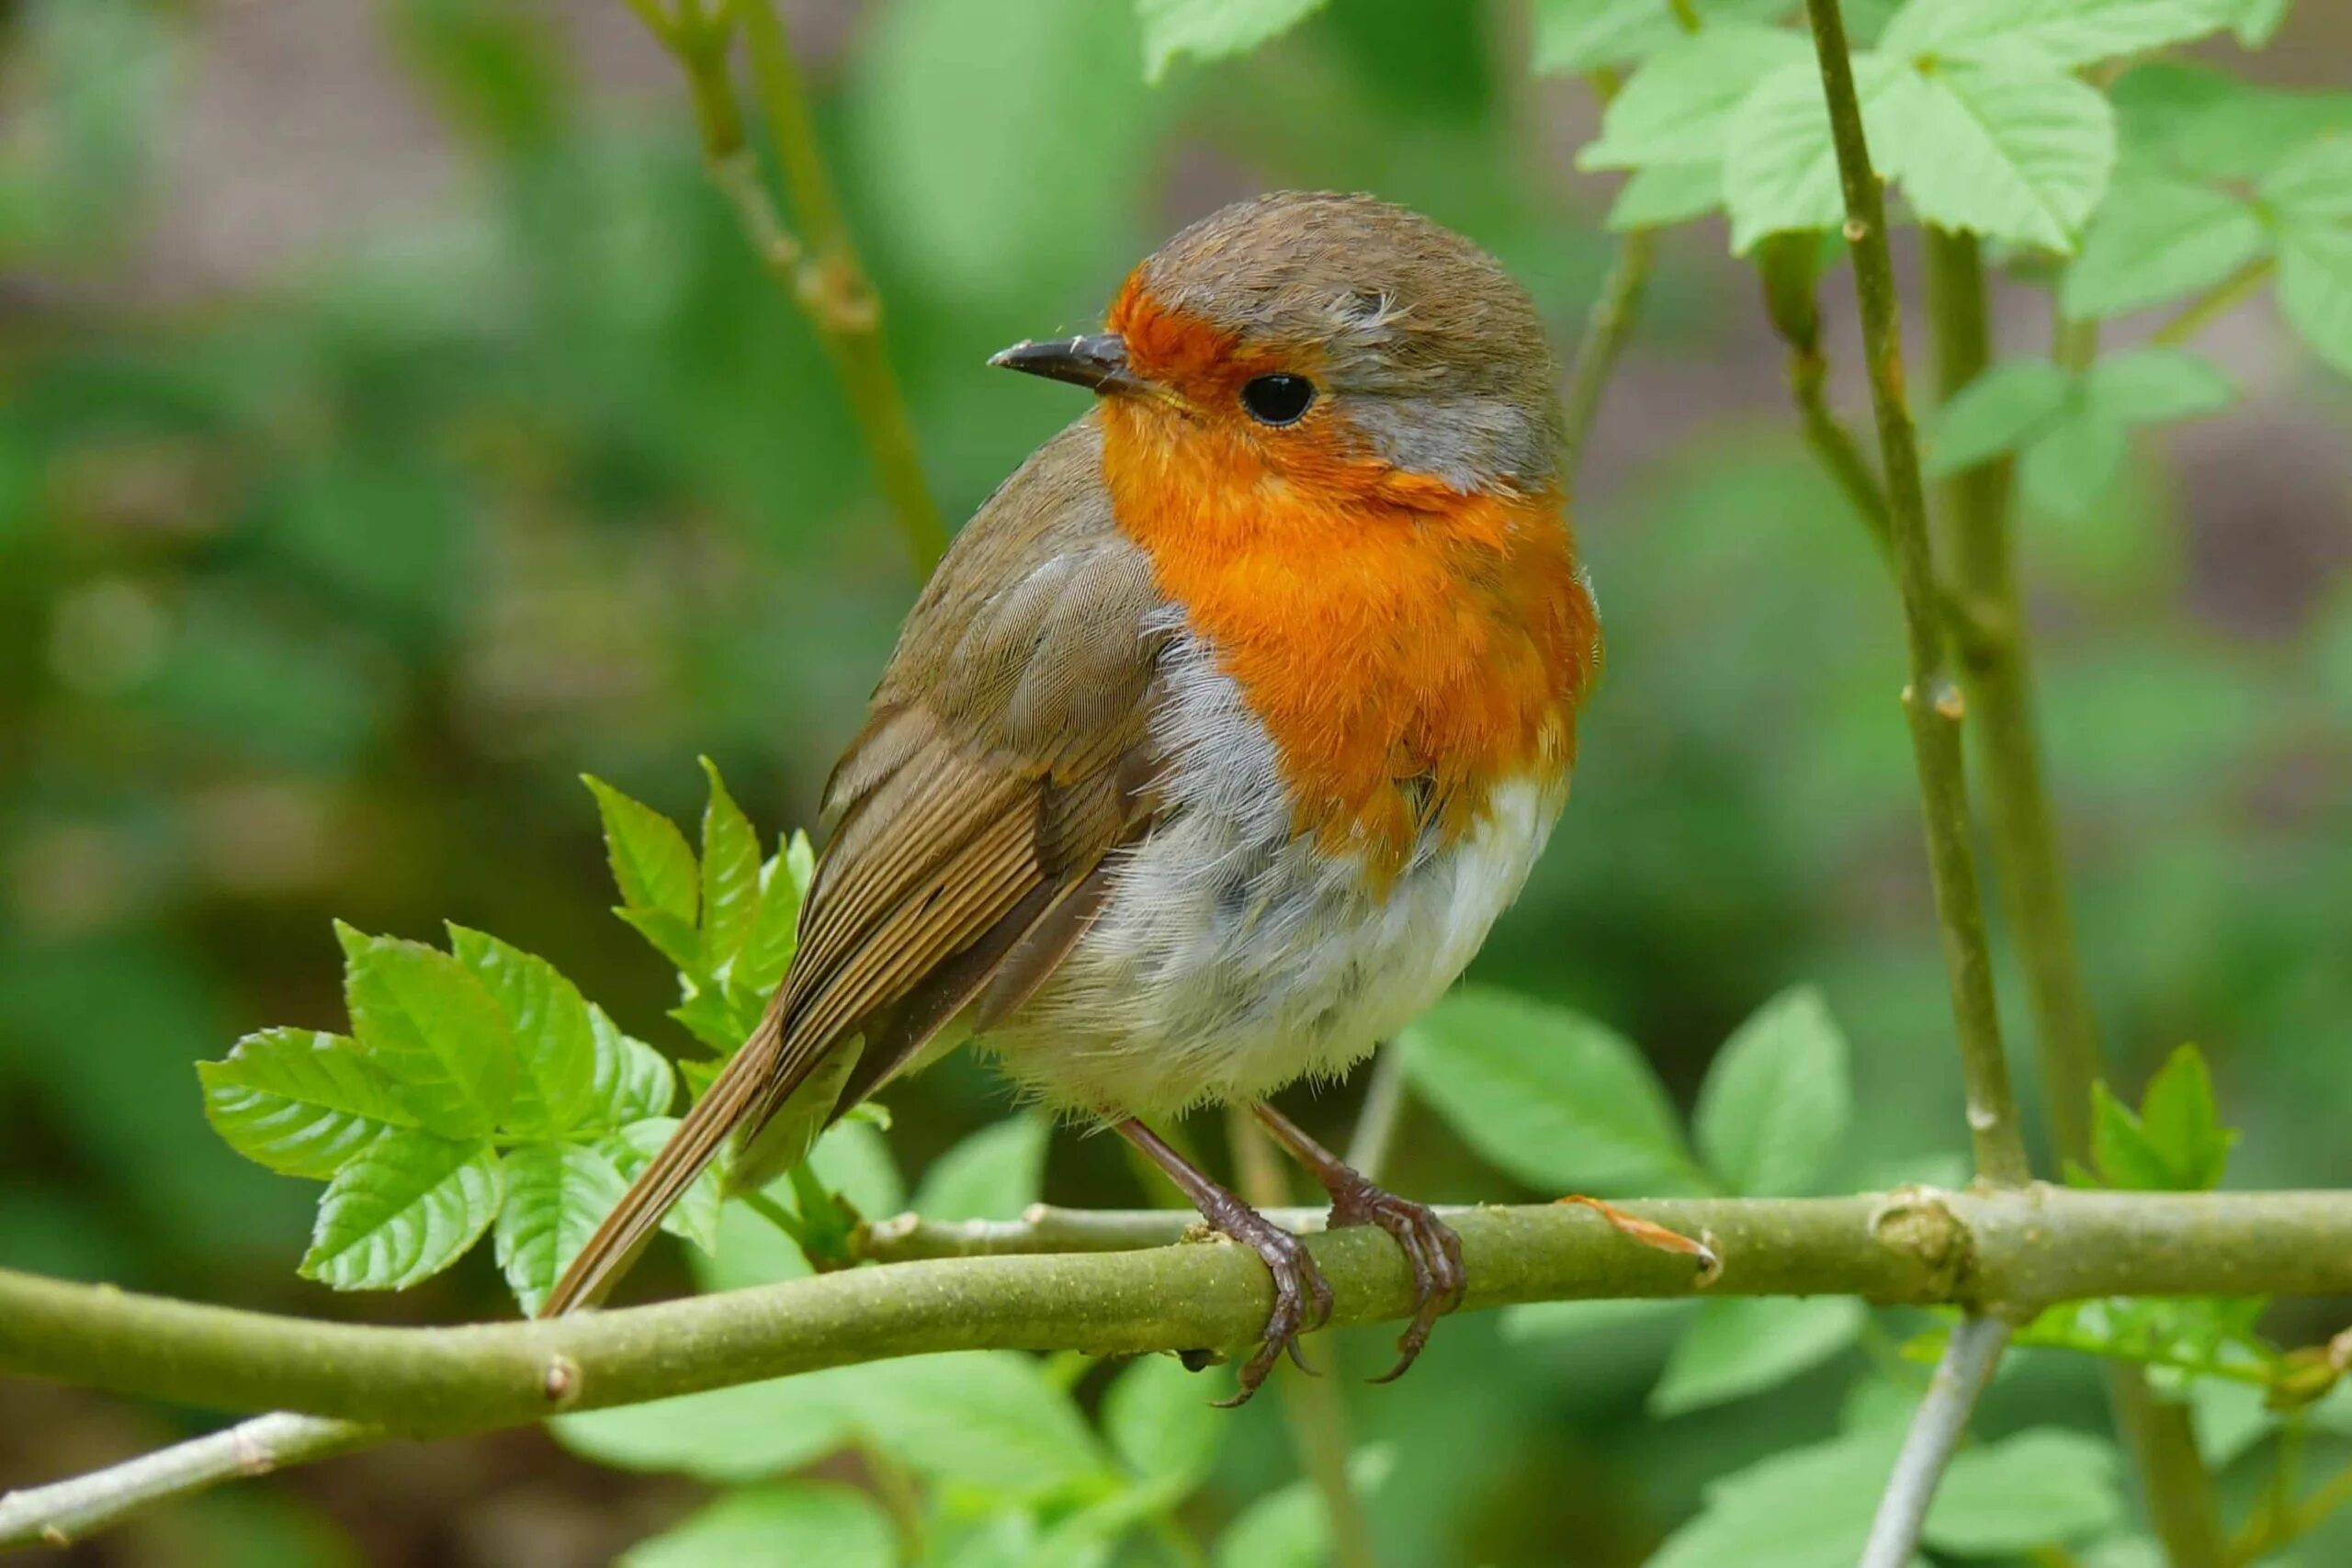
(1430, 1248)
(1302, 1296)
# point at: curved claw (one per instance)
(1302, 1298)
(1430, 1248)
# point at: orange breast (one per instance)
(1406, 647)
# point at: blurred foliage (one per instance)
(322, 577)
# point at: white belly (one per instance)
(1231, 957)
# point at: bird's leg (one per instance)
(1429, 1243)
(1302, 1297)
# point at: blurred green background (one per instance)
(394, 425)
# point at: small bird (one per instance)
(1218, 741)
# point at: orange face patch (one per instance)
(1407, 646)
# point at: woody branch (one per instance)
(2010, 1250)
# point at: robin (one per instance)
(1219, 739)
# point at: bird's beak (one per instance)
(1099, 361)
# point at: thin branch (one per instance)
(1313, 1407)
(1606, 332)
(2216, 302)
(2010, 1251)
(67, 1511)
(1931, 701)
(821, 268)
(1384, 1106)
(1935, 1436)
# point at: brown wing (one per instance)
(1006, 752)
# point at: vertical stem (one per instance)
(1935, 1436)
(1605, 333)
(1931, 701)
(1997, 667)
(1313, 1407)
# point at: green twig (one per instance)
(1606, 333)
(1930, 700)
(2011, 1251)
(2216, 302)
(819, 268)
(1935, 1436)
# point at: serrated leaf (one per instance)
(632, 1081)
(2311, 195)
(672, 938)
(1211, 29)
(555, 1048)
(2154, 385)
(434, 1030)
(1158, 1423)
(2000, 412)
(651, 865)
(1579, 35)
(774, 930)
(2121, 1149)
(2039, 1488)
(556, 1194)
(712, 1015)
(730, 877)
(404, 1209)
(987, 1418)
(2065, 32)
(792, 1522)
(1668, 193)
(694, 1216)
(1743, 1345)
(2156, 238)
(2258, 20)
(2206, 124)
(2182, 1121)
(1780, 166)
(2073, 460)
(991, 1175)
(1558, 1100)
(2002, 144)
(300, 1101)
(1677, 107)
(1777, 1102)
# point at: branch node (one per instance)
(560, 1384)
(1918, 1222)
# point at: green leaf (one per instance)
(2154, 238)
(1743, 1345)
(1535, 1321)
(632, 1081)
(556, 1194)
(985, 1418)
(1999, 411)
(302, 1102)
(1803, 1508)
(992, 1175)
(726, 1435)
(2075, 461)
(2154, 386)
(1778, 1101)
(2182, 1121)
(1780, 167)
(799, 1522)
(694, 1216)
(1289, 1527)
(1667, 193)
(2258, 20)
(1554, 1099)
(2035, 1489)
(1579, 35)
(1160, 1422)
(555, 1048)
(730, 876)
(651, 865)
(2206, 124)
(404, 1209)
(1677, 107)
(2311, 196)
(672, 938)
(2003, 145)
(433, 1028)
(775, 923)
(1211, 29)
(2065, 32)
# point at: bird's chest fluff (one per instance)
(1236, 952)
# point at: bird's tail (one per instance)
(626, 1231)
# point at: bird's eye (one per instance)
(1277, 399)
